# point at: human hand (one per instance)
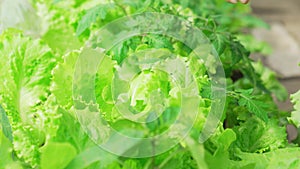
(235, 1)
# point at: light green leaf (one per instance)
(61, 40)
(197, 151)
(221, 142)
(6, 154)
(90, 156)
(27, 66)
(57, 155)
(63, 78)
(284, 158)
(295, 115)
(278, 159)
(254, 45)
(131, 164)
(26, 70)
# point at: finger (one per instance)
(232, 1)
(244, 1)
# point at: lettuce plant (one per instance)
(40, 126)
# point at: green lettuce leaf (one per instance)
(257, 136)
(295, 115)
(6, 154)
(217, 152)
(26, 71)
(91, 156)
(62, 152)
(281, 158)
(63, 78)
(69, 129)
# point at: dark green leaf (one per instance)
(99, 11)
(6, 128)
(257, 136)
(253, 105)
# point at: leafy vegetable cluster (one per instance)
(39, 128)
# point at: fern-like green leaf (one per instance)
(253, 105)
(92, 15)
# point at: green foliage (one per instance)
(6, 153)
(63, 152)
(245, 98)
(295, 117)
(5, 124)
(269, 79)
(281, 158)
(256, 136)
(99, 11)
(39, 126)
(27, 66)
